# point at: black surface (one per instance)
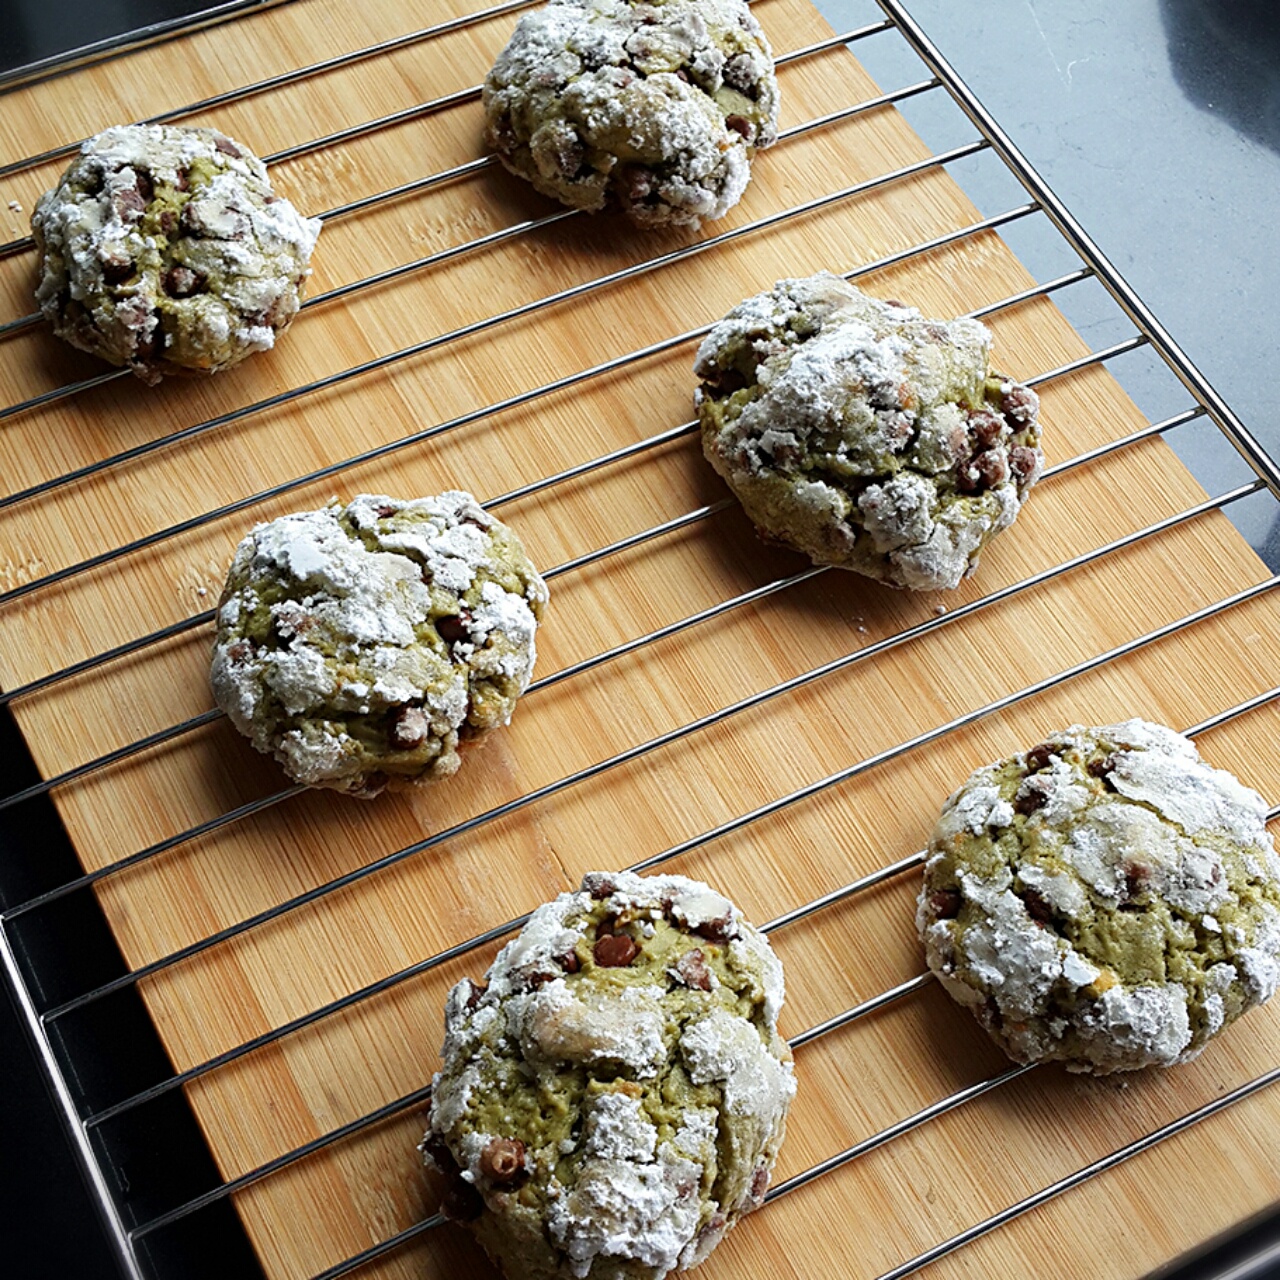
(50, 1230)
(31, 32)
(1156, 121)
(154, 1154)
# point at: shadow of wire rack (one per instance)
(231, 984)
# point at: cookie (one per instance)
(163, 249)
(651, 106)
(864, 435)
(361, 645)
(613, 1096)
(1106, 899)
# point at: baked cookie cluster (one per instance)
(1105, 899)
(654, 107)
(163, 249)
(612, 1097)
(863, 434)
(360, 645)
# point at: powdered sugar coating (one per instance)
(357, 644)
(164, 249)
(1105, 899)
(863, 434)
(649, 1097)
(655, 106)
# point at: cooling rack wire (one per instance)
(133, 1238)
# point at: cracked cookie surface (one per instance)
(653, 107)
(612, 1099)
(1105, 899)
(863, 434)
(360, 645)
(164, 249)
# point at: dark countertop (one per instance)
(1157, 122)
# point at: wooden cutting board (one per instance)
(885, 1207)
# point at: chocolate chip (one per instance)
(455, 629)
(1137, 879)
(384, 511)
(409, 729)
(1032, 795)
(691, 969)
(740, 73)
(145, 184)
(1022, 461)
(502, 1161)
(168, 222)
(118, 270)
(599, 885)
(1037, 908)
(1038, 757)
(1100, 768)
(615, 951)
(150, 347)
(570, 157)
(1019, 403)
(986, 427)
(182, 181)
(226, 146)
(968, 481)
(739, 125)
(725, 381)
(635, 183)
(569, 962)
(992, 468)
(182, 282)
(715, 1226)
(945, 903)
(128, 204)
(885, 395)
(720, 929)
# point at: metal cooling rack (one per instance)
(134, 1243)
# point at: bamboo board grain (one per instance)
(886, 1206)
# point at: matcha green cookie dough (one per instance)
(1106, 899)
(360, 644)
(652, 106)
(863, 434)
(612, 1099)
(164, 249)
